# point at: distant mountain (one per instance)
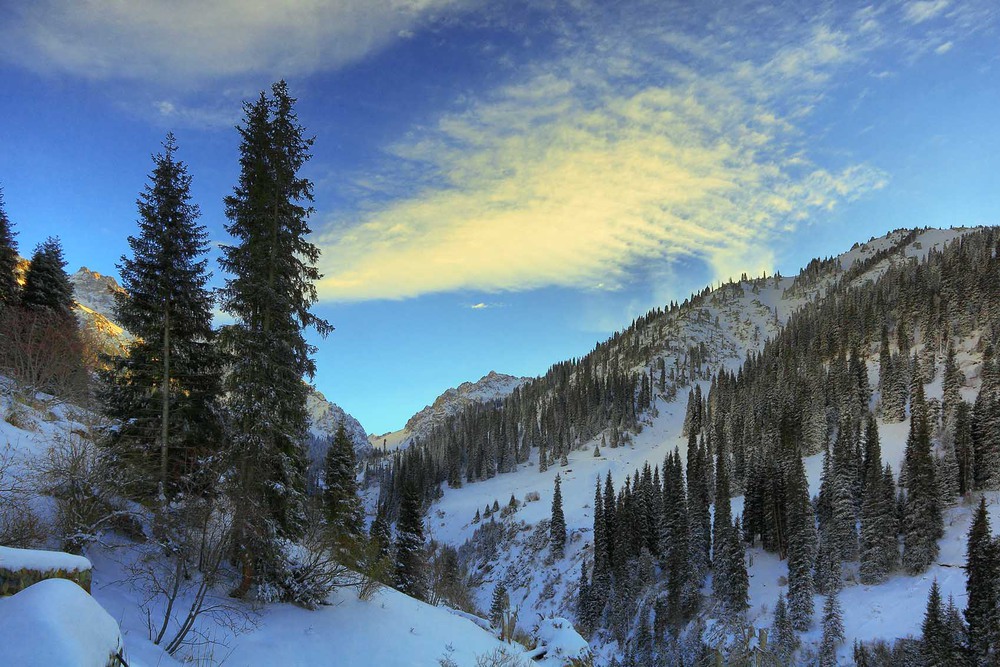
(491, 387)
(324, 417)
(95, 299)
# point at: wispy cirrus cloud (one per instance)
(638, 147)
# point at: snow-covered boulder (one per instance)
(21, 568)
(560, 645)
(55, 622)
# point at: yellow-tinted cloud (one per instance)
(543, 187)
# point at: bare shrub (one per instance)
(85, 488)
(43, 353)
(178, 576)
(499, 657)
(19, 525)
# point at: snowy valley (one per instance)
(497, 521)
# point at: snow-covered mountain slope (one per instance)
(490, 387)
(95, 298)
(324, 417)
(725, 323)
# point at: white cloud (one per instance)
(944, 48)
(194, 42)
(581, 176)
(924, 10)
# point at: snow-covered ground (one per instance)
(391, 629)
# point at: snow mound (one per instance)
(41, 561)
(55, 622)
(389, 629)
(559, 643)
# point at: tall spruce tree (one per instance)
(269, 293)
(801, 544)
(410, 576)
(923, 523)
(879, 543)
(164, 391)
(833, 631)
(982, 584)
(784, 640)
(344, 513)
(557, 527)
(9, 289)
(936, 638)
(47, 288)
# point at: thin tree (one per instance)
(557, 527)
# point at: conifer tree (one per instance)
(951, 384)
(879, 544)
(410, 575)
(344, 514)
(8, 259)
(269, 293)
(936, 639)
(964, 446)
(602, 565)
(783, 637)
(833, 631)
(499, 604)
(923, 523)
(981, 584)
(164, 391)
(557, 527)
(801, 545)
(47, 288)
(379, 533)
(732, 592)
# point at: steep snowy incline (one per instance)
(727, 322)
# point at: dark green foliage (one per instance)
(732, 591)
(923, 523)
(410, 577)
(9, 288)
(801, 545)
(962, 440)
(380, 534)
(879, 543)
(164, 391)
(46, 285)
(833, 631)
(784, 640)
(269, 291)
(344, 514)
(986, 426)
(557, 527)
(982, 571)
(499, 604)
(937, 638)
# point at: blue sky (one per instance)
(499, 185)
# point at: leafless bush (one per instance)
(179, 573)
(43, 352)
(499, 657)
(85, 488)
(19, 525)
